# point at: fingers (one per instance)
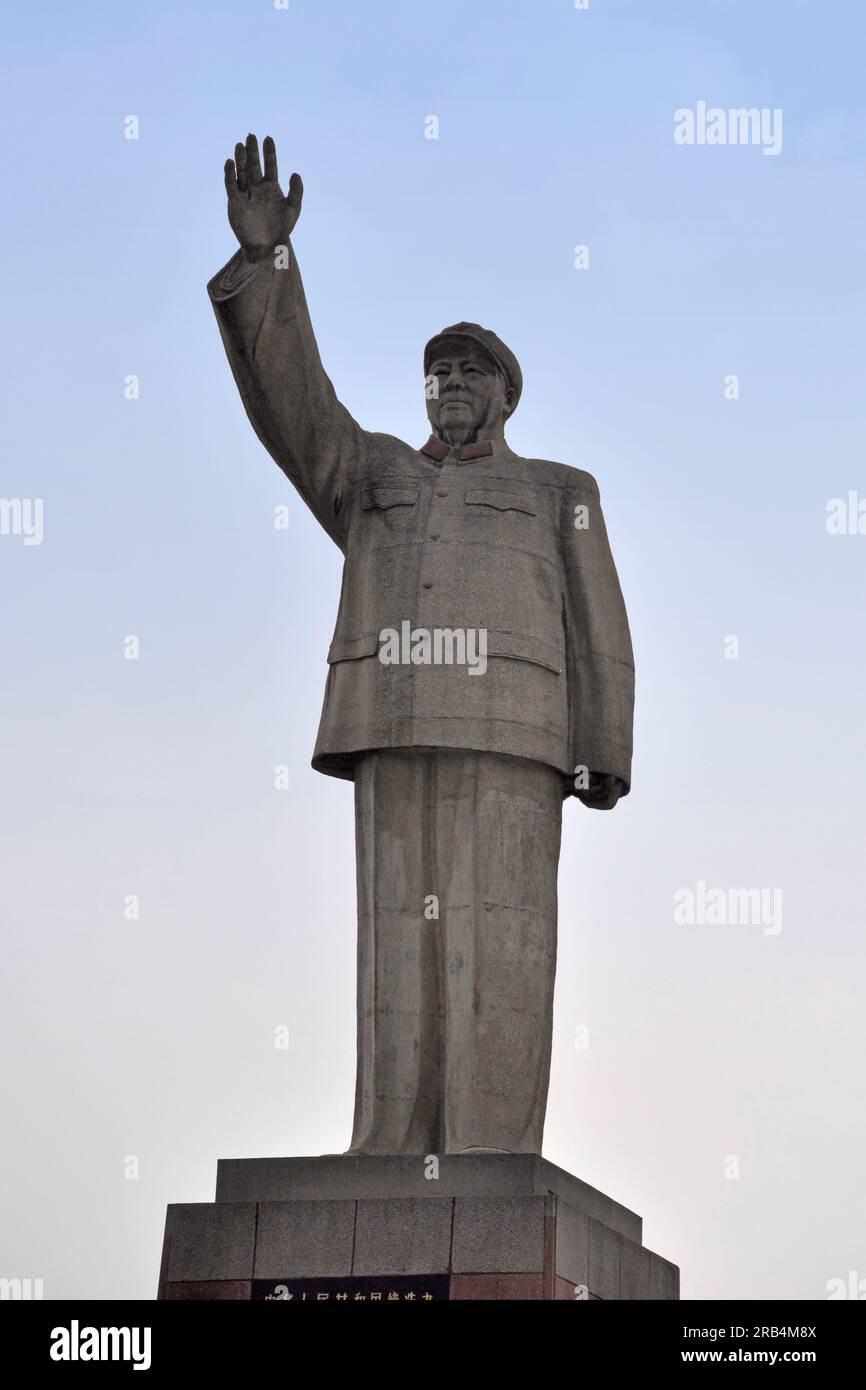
(254, 168)
(269, 150)
(595, 803)
(603, 792)
(245, 172)
(241, 163)
(296, 192)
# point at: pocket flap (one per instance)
(522, 646)
(502, 500)
(352, 648)
(380, 496)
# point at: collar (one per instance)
(438, 450)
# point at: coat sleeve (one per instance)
(600, 658)
(293, 408)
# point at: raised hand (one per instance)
(260, 217)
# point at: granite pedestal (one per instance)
(407, 1229)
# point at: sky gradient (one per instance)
(154, 1037)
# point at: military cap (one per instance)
(487, 339)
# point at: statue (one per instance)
(480, 672)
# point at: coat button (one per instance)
(441, 492)
(434, 535)
(427, 584)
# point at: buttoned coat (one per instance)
(466, 538)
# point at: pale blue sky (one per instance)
(155, 777)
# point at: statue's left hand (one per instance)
(603, 792)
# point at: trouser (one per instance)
(457, 856)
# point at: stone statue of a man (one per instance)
(480, 671)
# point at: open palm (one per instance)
(260, 217)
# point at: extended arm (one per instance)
(261, 309)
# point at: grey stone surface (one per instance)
(474, 987)
(498, 1241)
(604, 1261)
(664, 1278)
(210, 1241)
(410, 1235)
(402, 1175)
(304, 1239)
(460, 770)
(498, 1235)
(572, 1244)
(634, 1271)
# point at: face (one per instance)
(473, 397)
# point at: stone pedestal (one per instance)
(407, 1229)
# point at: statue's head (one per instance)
(473, 383)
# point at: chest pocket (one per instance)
(381, 497)
(501, 500)
(390, 508)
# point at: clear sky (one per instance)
(721, 1091)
